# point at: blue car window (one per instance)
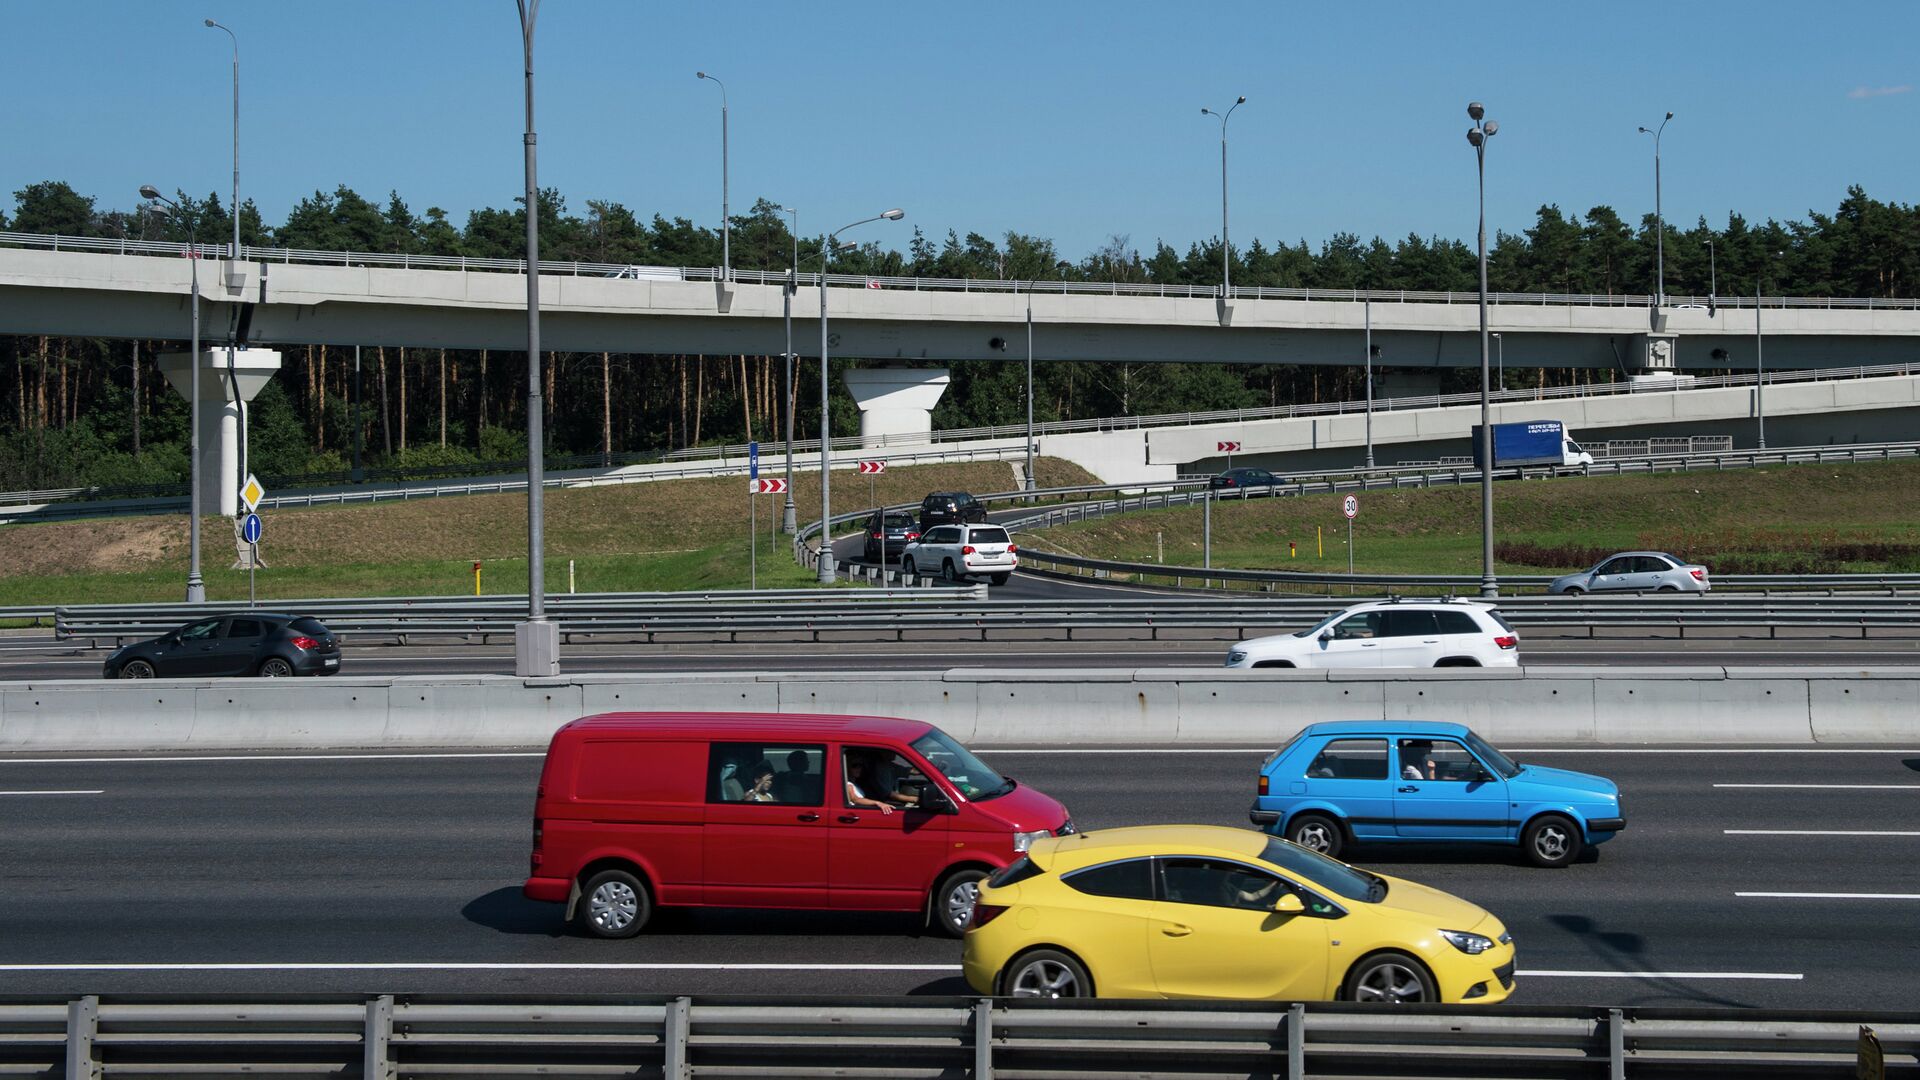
(1350, 759)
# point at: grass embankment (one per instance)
(1787, 519)
(662, 536)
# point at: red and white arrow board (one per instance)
(766, 487)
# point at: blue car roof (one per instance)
(1386, 727)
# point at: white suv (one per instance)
(959, 552)
(1390, 633)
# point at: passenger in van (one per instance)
(731, 790)
(797, 786)
(762, 777)
(856, 776)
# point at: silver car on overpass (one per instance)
(1635, 571)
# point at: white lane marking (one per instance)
(1829, 787)
(268, 757)
(1782, 976)
(454, 966)
(1813, 832)
(1830, 895)
(95, 791)
(1701, 750)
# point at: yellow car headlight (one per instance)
(1471, 944)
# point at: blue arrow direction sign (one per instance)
(251, 529)
(753, 461)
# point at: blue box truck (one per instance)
(1531, 442)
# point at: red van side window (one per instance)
(784, 774)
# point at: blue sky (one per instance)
(1070, 120)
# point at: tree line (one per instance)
(93, 411)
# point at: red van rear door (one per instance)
(766, 832)
(879, 861)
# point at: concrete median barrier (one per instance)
(987, 707)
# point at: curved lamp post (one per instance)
(196, 588)
(726, 221)
(1226, 250)
(1659, 221)
(1477, 135)
(826, 443)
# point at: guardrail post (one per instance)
(83, 1023)
(375, 1062)
(1616, 1045)
(1297, 1042)
(983, 1039)
(673, 1037)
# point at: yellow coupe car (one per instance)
(1199, 911)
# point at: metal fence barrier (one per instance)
(950, 614)
(398, 1037)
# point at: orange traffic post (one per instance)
(476, 577)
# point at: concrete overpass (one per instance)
(289, 298)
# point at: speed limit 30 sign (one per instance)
(1350, 506)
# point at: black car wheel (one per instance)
(946, 571)
(613, 904)
(274, 667)
(907, 568)
(1574, 590)
(1002, 579)
(1551, 841)
(1316, 833)
(1391, 979)
(136, 669)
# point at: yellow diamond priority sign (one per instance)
(252, 493)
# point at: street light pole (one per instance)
(1478, 135)
(826, 442)
(1760, 356)
(1659, 220)
(1029, 484)
(1713, 279)
(1226, 250)
(726, 221)
(233, 255)
(1500, 354)
(536, 642)
(196, 587)
(790, 523)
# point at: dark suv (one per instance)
(888, 534)
(950, 508)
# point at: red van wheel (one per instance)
(953, 900)
(614, 904)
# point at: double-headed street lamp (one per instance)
(726, 223)
(1759, 352)
(536, 641)
(233, 253)
(826, 442)
(196, 588)
(1477, 135)
(1659, 221)
(1226, 250)
(789, 523)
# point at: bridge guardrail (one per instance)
(979, 1038)
(970, 610)
(407, 261)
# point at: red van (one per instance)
(853, 813)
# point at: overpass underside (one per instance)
(125, 296)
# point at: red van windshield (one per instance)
(967, 773)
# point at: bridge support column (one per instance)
(221, 434)
(896, 403)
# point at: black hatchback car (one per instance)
(888, 534)
(951, 508)
(1237, 479)
(244, 643)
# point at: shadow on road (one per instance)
(951, 986)
(1912, 763)
(506, 911)
(1624, 951)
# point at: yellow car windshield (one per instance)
(1335, 877)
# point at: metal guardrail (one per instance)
(951, 613)
(682, 1038)
(405, 261)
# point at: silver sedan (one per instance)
(1636, 571)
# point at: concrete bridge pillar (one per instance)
(221, 434)
(896, 403)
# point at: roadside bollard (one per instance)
(476, 577)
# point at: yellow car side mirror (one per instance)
(1289, 904)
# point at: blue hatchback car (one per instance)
(1404, 781)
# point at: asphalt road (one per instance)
(31, 657)
(402, 873)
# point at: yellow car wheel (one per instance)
(1391, 978)
(1046, 973)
